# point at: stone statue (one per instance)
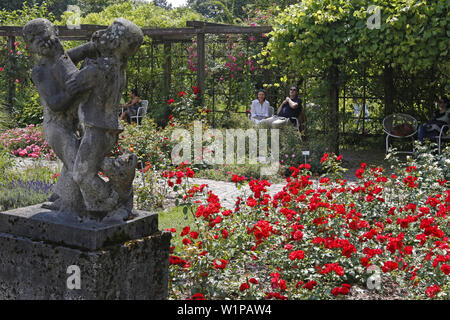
(80, 115)
(60, 107)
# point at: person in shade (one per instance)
(130, 108)
(440, 117)
(260, 107)
(289, 108)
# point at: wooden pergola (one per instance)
(166, 36)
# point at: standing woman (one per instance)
(260, 107)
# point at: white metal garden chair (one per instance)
(141, 112)
(443, 136)
(393, 124)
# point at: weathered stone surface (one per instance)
(38, 270)
(38, 223)
(117, 260)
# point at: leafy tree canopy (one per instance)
(57, 7)
(413, 35)
(163, 4)
(235, 11)
(143, 14)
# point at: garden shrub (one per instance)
(315, 240)
(26, 142)
(24, 186)
(20, 193)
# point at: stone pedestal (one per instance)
(116, 260)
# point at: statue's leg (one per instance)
(98, 196)
(65, 145)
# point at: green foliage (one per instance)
(326, 234)
(19, 194)
(143, 15)
(163, 4)
(24, 13)
(27, 108)
(412, 34)
(145, 69)
(5, 164)
(148, 141)
(335, 47)
(186, 106)
(291, 148)
(427, 158)
(235, 11)
(174, 218)
(18, 95)
(5, 122)
(23, 186)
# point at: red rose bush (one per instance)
(315, 239)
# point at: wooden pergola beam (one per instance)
(172, 34)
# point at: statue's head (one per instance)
(41, 38)
(122, 37)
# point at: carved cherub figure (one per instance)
(104, 80)
(59, 105)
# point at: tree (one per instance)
(321, 37)
(163, 4)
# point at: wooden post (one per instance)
(201, 64)
(333, 97)
(389, 90)
(266, 75)
(167, 68)
(11, 84)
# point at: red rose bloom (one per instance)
(445, 268)
(310, 285)
(196, 89)
(220, 263)
(244, 286)
(197, 296)
(432, 290)
(296, 255)
(185, 231)
(193, 235)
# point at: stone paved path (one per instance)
(228, 193)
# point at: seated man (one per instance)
(260, 107)
(131, 107)
(289, 108)
(440, 118)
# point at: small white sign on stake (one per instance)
(305, 154)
